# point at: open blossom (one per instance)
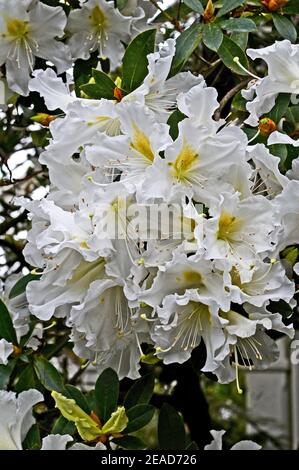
(98, 26)
(16, 417)
(28, 30)
(282, 59)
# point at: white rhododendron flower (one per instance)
(16, 417)
(282, 59)
(28, 30)
(98, 26)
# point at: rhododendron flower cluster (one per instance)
(210, 277)
(165, 141)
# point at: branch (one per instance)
(228, 97)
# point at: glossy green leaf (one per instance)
(73, 392)
(241, 39)
(212, 36)
(229, 5)
(172, 11)
(240, 25)
(228, 51)
(284, 27)
(63, 426)
(7, 330)
(140, 392)
(135, 59)
(280, 107)
(32, 440)
(21, 285)
(27, 379)
(106, 394)
(139, 416)
(195, 5)
(171, 430)
(103, 86)
(186, 43)
(48, 375)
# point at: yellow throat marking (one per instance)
(141, 144)
(184, 161)
(16, 28)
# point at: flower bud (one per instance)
(267, 126)
(43, 119)
(117, 93)
(209, 12)
(274, 5)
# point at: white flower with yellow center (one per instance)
(98, 26)
(263, 282)
(183, 274)
(129, 155)
(238, 230)
(194, 161)
(28, 30)
(183, 321)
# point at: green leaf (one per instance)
(121, 4)
(135, 59)
(241, 39)
(32, 440)
(139, 416)
(229, 5)
(173, 121)
(173, 12)
(77, 395)
(284, 27)
(292, 7)
(103, 86)
(186, 43)
(83, 71)
(212, 36)
(130, 442)
(171, 430)
(21, 285)
(106, 394)
(140, 392)
(27, 379)
(7, 330)
(195, 5)
(279, 150)
(40, 137)
(5, 373)
(227, 53)
(239, 103)
(240, 25)
(280, 107)
(48, 374)
(63, 426)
